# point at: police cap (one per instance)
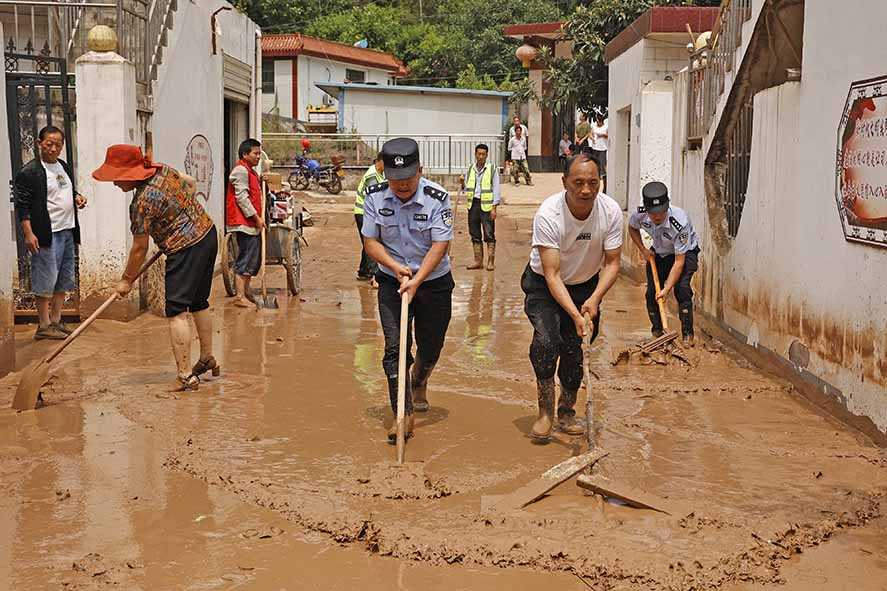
(401, 158)
(655, 197)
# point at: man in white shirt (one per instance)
(46, 203)
(599, 142)
(577, 240)
(517, 149)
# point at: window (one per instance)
(268, 76)
(355, 76)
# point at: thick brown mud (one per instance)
(279, 475)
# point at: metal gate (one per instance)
(38, 93)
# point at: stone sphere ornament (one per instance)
(101, 38)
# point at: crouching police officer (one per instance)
(407, 226)
(674, 255)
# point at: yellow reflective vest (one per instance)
(486, 186)
(370, 177)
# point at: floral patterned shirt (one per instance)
(166, 208)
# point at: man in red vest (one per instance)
(244, 215)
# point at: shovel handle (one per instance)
(402, 373)
(655, 272)
(98, 312)
(586, 367)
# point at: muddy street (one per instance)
(268, 477)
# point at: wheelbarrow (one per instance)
(283, 245)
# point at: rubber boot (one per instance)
(566, 415)
(478, 256)
(491, 256)
(419, 378)
(685, 313)
(655, 320)
(542, 427)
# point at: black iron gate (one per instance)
(38, 93)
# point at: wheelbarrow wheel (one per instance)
(229, 255)
(292, 261)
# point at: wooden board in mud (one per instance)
(628, 495)
(542, 485)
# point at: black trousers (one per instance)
(682, 291)
(556, 346)
(368, 266)
(429, 317)
(481, 226)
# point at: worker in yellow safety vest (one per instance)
(374, 175)
(483, 187)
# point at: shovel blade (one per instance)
(33, 377)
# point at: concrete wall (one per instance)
(789, 285)
(638, 85)
(412, 113)
(8, 257)
(190, 70)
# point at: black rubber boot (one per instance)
(685, 313)
(419, 380)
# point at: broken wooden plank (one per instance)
(544, 484)
(629, 495)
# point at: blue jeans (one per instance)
(52, 267)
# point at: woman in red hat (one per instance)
(165, 208)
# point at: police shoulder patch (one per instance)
(435, 193)
(377, 187)
(676, 224)
(447, 217)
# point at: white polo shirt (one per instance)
(581, 242)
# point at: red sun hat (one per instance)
(124, 162)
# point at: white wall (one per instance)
(313, 70)
(283, 89)
(789, 275)
(412, 113)
(637, 82)
(8, 256)
(189, 68)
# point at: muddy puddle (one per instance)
(278, 475)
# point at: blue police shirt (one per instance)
(408, 229)
(675, 235)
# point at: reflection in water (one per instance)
(367, 347)
(479, 323)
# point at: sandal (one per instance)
(184, 384)
(204, 365)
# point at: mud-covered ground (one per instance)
(277, 475)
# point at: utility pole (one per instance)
(421, 16)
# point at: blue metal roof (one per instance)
(333, 88)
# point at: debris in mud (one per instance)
(262, 534)
(63, 495)
(93, 571)
(397, 482)
(666, 355)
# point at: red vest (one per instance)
(233, 214)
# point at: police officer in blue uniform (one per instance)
(407, 226)
(674, 255)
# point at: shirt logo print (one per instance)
(583, 236)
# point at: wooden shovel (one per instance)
(668, 336)
(402, 376)
(586, 366)
(36, 374)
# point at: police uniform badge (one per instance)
(447, 217)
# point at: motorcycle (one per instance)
(310, 173)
